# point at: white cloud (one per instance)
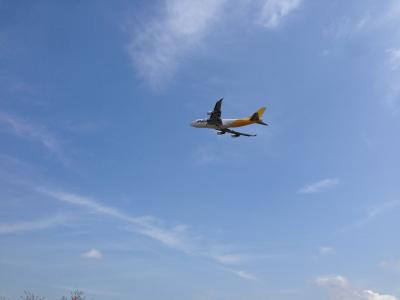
(390, 265)
(340, 289)
(92, 254)
(88, 203)
(229, 259)
(394, 58)
(326, 250)
(275, 11)
(391, 14)
(30, 131)
(376, 211)
(158, 49)
(331, 281)
(319, 186)
(173, 237)
(244, 274)
(40, 224)
(373, 213)
(370, 295)
(22, 128)
(367, 20)
(387, 24)
(169, 36)
(178, 237)
(378, 25)
(149, 226)
(382, 208)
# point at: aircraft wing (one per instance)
(215, 115)
(236, 133)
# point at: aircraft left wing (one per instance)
(235, 133)
(215, 115)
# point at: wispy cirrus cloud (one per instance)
(319, 186)
(275, 11)
(173, 33)
(390, 14)
(393, 265)
(178, 237)
(371, 214)
(229, 259)
(24, 129)
(244, 274)
(339, 288)
(372, 24)
(146, 225)
(157, 50)
(393, 79)
(376, 211)
(33, 132)
(39, 224)
(394, 58)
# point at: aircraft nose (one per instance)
(193, 124)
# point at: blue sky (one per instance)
(105, 187)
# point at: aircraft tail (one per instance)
(257, 116)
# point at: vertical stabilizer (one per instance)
(257, 116)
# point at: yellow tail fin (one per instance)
(260, 112)
(257, 116)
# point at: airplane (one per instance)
(223, 126)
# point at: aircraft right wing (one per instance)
(235, 133)
(215, 115)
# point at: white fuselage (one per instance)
(202, 123)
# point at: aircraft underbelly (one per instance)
(212, 126)
(235, 123)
